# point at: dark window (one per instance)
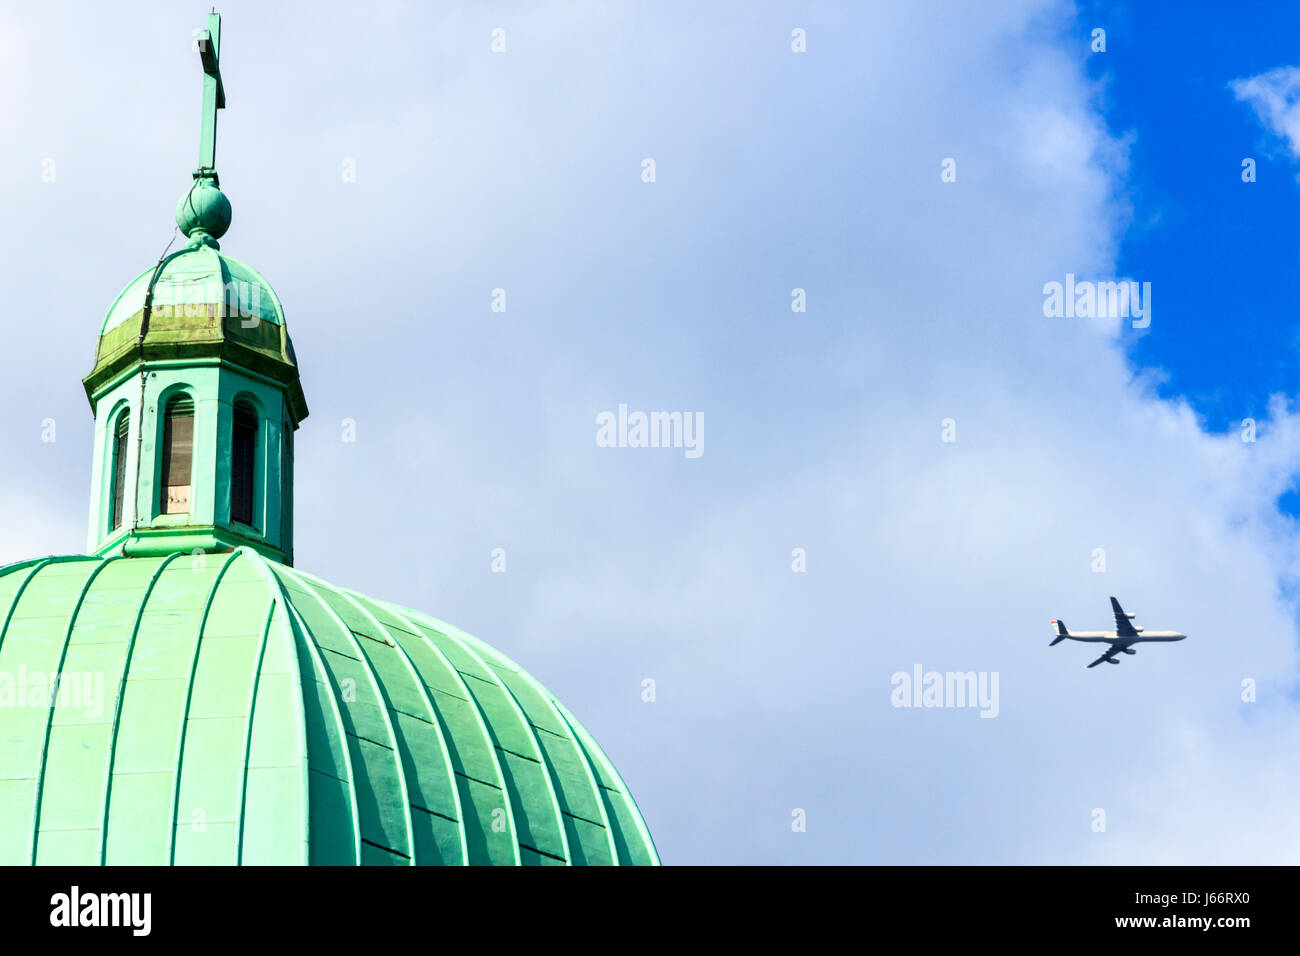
(243, 464)
(120, 432)
(177, 455)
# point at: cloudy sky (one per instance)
(775, 170)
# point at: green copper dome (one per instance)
(198, 302)
(231, 710)
(193, 278)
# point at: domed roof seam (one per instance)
(251, 710)
(119, 695)
(34, 568)
(434, 719)
(586, 745)
(381, 700)
(481, 720)
(178, 762)
(448, 632)
(303, 633)
(73, 614)
(300, 710)
(589, 743)
(587, 767)
(537, 748)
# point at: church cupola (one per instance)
(195, 388)
(300, 723)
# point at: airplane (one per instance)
(1120, 639)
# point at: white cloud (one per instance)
(1275, 98)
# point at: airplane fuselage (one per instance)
(1111, 637)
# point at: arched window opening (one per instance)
(178, 455)
(120, 432)
(243, 463)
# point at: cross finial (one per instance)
(214, 95)
(204, 211)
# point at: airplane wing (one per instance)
(1123, 625)
(1109, 655)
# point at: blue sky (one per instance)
(1222, 254)
(824, 429)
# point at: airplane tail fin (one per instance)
(1061, 633)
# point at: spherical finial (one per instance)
(204, 210)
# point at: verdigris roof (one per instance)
(197, 275)
(200, 303)
(250, 713)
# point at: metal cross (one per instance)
(214, 94)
